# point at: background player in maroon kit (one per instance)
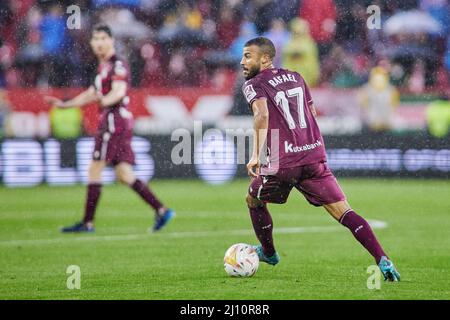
(113, 138)
(288, 137)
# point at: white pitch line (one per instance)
(375, 224)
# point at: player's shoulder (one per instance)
(248, 89)
(119, 64)
(297, 75)
(255, 81)
(253, 84)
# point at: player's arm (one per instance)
(313, 110)
(117, 93)
(309, 100)
(260, 126)
(87, 96)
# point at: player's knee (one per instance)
(120, 176)
(337, 210)
(95, 172)
(124, 175)
(253, 202)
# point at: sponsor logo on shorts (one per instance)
(290, 148)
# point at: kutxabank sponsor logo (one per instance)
(290, 148)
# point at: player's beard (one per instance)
(253, 71)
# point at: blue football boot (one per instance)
(161, 221)
(273, 260)
(78, 227)
(388, 270)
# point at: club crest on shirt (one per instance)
(249, 92)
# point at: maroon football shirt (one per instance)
(114, 118)
(293, 138)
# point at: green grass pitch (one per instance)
(319, 260)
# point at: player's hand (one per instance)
(253, 167)
(54, 102)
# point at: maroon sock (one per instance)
(263, 225)
(92, 197)
(363, 233)
(144, 191)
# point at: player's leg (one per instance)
(122, 157)
(263, 190)
(94, 189)
(359, 227)
(262, 224)
(321, 188)
(362, 231)
(125, 174)
(92, 197)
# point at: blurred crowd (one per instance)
(199, 42)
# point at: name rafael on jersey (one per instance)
(281, 79)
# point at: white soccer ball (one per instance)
(241, 260)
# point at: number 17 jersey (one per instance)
(293, 136)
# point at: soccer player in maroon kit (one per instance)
(287, 135)
(115, 131)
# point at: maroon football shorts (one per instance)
(113, 141)
(315, 181)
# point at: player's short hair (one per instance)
(102, 27)
(265, 44)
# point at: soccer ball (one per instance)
(241, 260)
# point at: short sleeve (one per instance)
(252, 91)
(119, 71)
